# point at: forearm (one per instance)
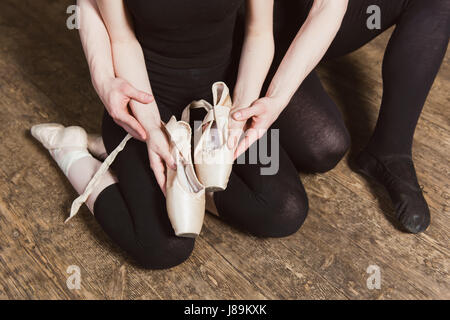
(129, 64)
(256, 58)
(128, 59)
(96, 44)
(307, 49)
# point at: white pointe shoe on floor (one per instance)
(66, 145)
(212, 157)
(185, 195)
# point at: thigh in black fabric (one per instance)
(289, 16)
(113, 215)
(354, 31)
(312, 130)
(264, 205)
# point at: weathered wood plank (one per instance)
(92, 250)
(43, 77)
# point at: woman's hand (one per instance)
(116, 95)
(256, 120)
(235, 129)
(159, 154)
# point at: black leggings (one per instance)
(312, 134)
(412, 59)
(133, 213)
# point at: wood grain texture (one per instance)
(44, 78)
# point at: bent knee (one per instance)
(283, 218)
(328, 151)
(434, 14)
(165, 255)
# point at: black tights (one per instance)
(412, 59)
(133, 213)
(312, 134)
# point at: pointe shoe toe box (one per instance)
(186, 211)
(53, 135)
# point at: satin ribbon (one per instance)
(78, 202)
(210, 117)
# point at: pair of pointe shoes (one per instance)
(213, 160)
(185, 187)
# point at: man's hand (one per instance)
(116, 94)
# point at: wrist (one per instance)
(153, 129)
(147, 115)
(280, 101)
(279, 96)
(102, 84)
(240, 101)
(153, 124)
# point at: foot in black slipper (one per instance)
(398, 176)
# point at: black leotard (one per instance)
(185, 34)
(187, 45)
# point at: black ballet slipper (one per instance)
(398, 176)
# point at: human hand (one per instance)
(235, 129)
(257, 119)
(158, 148)
(116, 95)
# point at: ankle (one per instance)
(386, 152)
(106, 180)
(398, 165)
(66, 157)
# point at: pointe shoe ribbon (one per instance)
(212, 158)
(185, 194)
(78, 202)
(54, 136)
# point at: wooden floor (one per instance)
(44, 78)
